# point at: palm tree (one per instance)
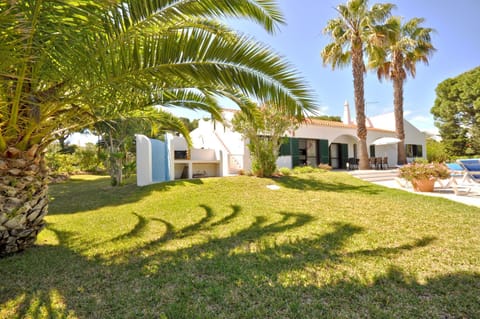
(402, 46)
(351, 32)
(63, 60)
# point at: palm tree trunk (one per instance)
(398, 111)
(115, 162)
(358, 69)
(23, 198)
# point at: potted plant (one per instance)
(423, 175)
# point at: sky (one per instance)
(300, 41)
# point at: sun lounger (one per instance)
(457, 176)
(403, 183)
(471, 177)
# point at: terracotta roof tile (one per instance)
(326, 123)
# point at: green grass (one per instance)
(325, 245)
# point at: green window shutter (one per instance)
(324, 154)
(372, 150)
(295, 152)
(285, 148)
(344, 155)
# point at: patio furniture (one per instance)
(456, 172)
(471, 176)
(352, 163)
(403, 183)
(384, 162)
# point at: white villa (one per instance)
(219, 151)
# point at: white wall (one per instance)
(215, 135)
(284, 161)
(323, 132)
(415, 136)
(144, 160)
(179, 143)
(203, 155)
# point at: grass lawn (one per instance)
(325, 245)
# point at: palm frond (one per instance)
(211, 60)
(77, 60)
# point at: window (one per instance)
(414, 150)
(305, 151)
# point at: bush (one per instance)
(88, 159)
(61, 163)
(304, 169)
(84, 159)
(436, 151)
(285, 171)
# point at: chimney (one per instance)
(346, 114)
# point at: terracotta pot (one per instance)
(423, 185)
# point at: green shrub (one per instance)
(61, 163)
(304, 169)
(130, 168)
(285, 171)
(436, 151)
(83, 159)
(420, 160)
(88, 158)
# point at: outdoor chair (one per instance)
(384, 162)
(471, 176)
(352, 163)
(372, 162)
(456, 172)
(403, 183)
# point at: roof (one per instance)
(326, 123)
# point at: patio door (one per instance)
(338, 155)
(334, 155)
(311, 146)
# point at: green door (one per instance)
(295, 152)
(343, 155)
(323, 152)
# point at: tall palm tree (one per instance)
(63, 60)
(351, 32)
(402, 46)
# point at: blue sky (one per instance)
(457, 41)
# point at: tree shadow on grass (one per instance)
(75, 196)
(312, 182)
(242, 275)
